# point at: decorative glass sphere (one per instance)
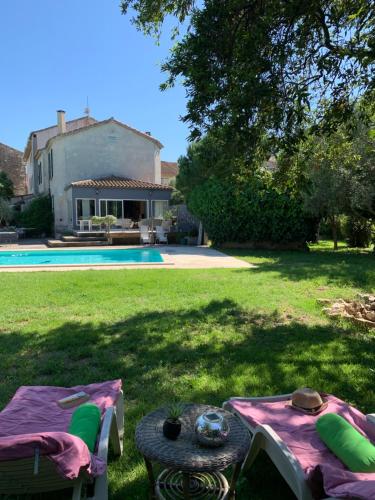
(211, 429)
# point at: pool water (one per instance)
(80, 257)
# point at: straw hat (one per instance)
(307, 401)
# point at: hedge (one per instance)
(249, 211)
(38, 216)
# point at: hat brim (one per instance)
(306, 411)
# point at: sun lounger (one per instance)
(38, 455)
(290, 440)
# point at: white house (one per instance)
(92, 167)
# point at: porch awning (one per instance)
(119, 183)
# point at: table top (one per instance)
(186, 453)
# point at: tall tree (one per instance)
(256, 67)
(336, 171)
(6, 213)
(6, 186)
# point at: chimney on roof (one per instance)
(148, 132)
(61, 126)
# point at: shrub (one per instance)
(38, 216)
(6, 186)
(359, 232)
(325, 228)
(107, 221)
(249, 211)
(6, 212)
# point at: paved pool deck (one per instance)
(174, 257)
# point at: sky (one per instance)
(56, 53)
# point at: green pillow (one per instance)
(85, 424)
(353, 449)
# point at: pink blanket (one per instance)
(34, 419)
(297, 430)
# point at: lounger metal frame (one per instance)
(17, 476)
(265, 438)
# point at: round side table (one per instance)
(191, 470)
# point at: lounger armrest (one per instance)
(112, 429)
(105, 431)
(280, 447)
(267, 439)
(371, 418)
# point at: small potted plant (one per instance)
(172, 424)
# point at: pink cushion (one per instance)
(34, 419)
(298, 432)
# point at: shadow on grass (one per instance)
(340, 269)
(203, 355)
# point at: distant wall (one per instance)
(12, 164)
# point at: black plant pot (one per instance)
(171, 429)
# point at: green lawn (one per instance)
(192, 335)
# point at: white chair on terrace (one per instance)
(85, 222)
(161, 236)
(145, 235)
(126, 223)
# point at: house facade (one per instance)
(94, 167)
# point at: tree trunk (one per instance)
(334, 232)
(200, 234)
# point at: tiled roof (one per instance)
(11, 163)
(118, 182)
(169, 168)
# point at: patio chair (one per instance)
(36, 416)
(293, 445)
(161, 236)
(144, 235)
(126, 223)
(85, 222)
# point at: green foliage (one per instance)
(175, 410)
(262, 67)
(336, 171)
(38, 216)
(6, 213)
(329, 169)
(251, 210)
(177, 198)
(6, 186)
(105, 220)
(151, 14)
(168, 215)
(211, 157)
(325, 228)
(359, 232)
(203, 160)
(108, 221)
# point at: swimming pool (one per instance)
(80, 257)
